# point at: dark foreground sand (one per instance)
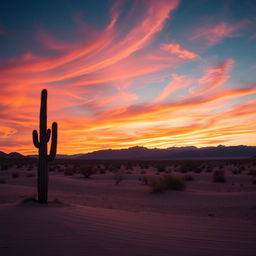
(206, 219)
(81, 230)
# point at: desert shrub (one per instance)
(197, 169)
(29, 175)
(30, 167)
(157, 184)
(69, 172)
(208, 169)
(15, 175)
(4, 167)
(118, 176)
(167, 182)
(188, 177)
(218, 176)
(19, 166)
(51, 169)
(241, 168)
(161, 169)
(87, 171)
(174, 182)
(144, 180)
(102, 171)
(189, 167)
(252, 172)
(2, 181)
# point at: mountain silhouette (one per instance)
(142, 153)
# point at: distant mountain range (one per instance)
(11, 155)
(142, 153)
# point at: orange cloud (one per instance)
(214, 77)
(176, 83)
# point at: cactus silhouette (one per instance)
(40, 142)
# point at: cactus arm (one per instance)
(48, 135)
(35, 139)
(53, 149)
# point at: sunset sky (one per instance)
(153, 73)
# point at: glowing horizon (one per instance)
(129, 73)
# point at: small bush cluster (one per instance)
(2, 181)
(29, 175)
(118, 176)
(166, 182)
(252, 172)
(30, 167)
(188, 177)
(87, 171)
(4, 167)
(69, 172)
(219, 176)
(15, 175)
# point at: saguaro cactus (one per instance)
(41, 144)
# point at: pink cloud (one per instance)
(176, 83)
(176, 50)
(214, 77)
(214, 33)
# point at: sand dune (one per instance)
(81, 230)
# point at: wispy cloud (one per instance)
(212, 34)
(176, 50)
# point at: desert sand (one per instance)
(97, 217)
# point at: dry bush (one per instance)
(166, 182)
(118, 176)
(69, 172)
(161, 169)
(188, 177)
(157, 184)
(252, 172)
(2, 181)
(15, 175)
(144, 180)
(87, 171)
(219, 177)
(29, 175)
(174, 182)
(30, 167)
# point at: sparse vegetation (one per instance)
(2, 181)
(166, 182)
(29, 175)
(69, 172)
(87, 171)
(118, 176)
(157, 184)
(144, 180)
(219, 176)
(15, 175)
(174, 182)
(161, 169)
(188, 177)
(30, 167)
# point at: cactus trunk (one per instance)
(41, 144)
